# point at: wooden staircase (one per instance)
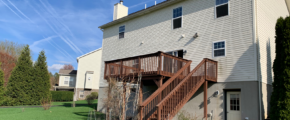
(167, 100)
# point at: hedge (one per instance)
(62, 95)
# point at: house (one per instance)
(67, 80)
(215, 58)
(88, 75)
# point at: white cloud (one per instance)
(55, 67)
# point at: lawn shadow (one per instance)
(93, 106)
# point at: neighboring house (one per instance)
(237, 37)
(89, 67)
(67, 80)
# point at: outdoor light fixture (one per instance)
(216, 93)
(184, 52)
(182, 36)
(195, 35)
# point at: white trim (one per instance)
(119, 31)
(219, 49)
(215, 15)
(177, 18)
(88, 53)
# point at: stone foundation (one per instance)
(86, 92)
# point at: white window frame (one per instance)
(219, 49)
(215, 14)
(66, 80)
(82, 94)
(177, 18)
(120, 32)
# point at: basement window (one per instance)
(222, 8)
(177, 18)
(219, 49)
(121, 31)
(81, 94)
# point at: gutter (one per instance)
(259, 80)
(288, 5)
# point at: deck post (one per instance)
(159, 86)
(141, 99)
(160, 62)
(158, 113)
(205, 99)
(121, 68)
(139, 66)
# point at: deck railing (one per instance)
(173, 94)
(151, 64)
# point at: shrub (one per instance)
(90, 99)
(95, 95)
(46, 103)
(62, 95)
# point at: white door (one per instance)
(233, 106)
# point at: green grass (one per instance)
(77, 102)
(80, 112)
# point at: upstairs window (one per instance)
(121, 32)
(177, 18)
(219, 49)
(66, 80)
(222, 8)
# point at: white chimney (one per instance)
(120, 10)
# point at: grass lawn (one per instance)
(80, 112)
(77, 102)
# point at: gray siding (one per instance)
(198, 16)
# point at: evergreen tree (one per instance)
(20, 85)
(42, 77)
(280, 99)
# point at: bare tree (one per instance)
(9, 53)
(118, 97)
(68, 67)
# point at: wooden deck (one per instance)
(149, 65)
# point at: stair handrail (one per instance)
(159, 90)
(160, 104)
(193, 71)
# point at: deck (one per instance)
(149, 65)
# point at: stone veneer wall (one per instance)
(86, 92)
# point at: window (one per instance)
(71, 81)
(174, 53)
(122, 32)
(66, 79)
(177, 18)
(81, 94)
(219, 49)
(222, 8)
(178, 53)
(235, 102)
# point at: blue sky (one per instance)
(64, 29)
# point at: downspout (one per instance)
(255, 32)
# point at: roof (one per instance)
(67, 72)
(141, 12)
(88, 53)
